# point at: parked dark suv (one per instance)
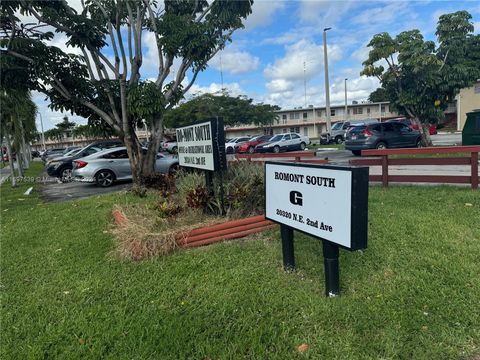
(381, 136)
(62, 167)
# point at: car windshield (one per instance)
(232, 140)
(72, 152)
(277, 138)
(337, 126)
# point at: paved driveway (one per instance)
(53, 191)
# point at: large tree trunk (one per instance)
(426, 140)
(10, 159)
(143, 163)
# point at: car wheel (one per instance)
(173, 169)
(276, 149)
(104, 178)
(357, 152)
(339, 140)
(66, 174)
(419, 143)
(251, 150)
(302, 146)
(381, 145)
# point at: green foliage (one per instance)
(411, 295)
(242, 187)
(420, 78)
(378, 95)
(102, 87)
(234, 111)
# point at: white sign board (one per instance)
(195, 146)
(319, 200)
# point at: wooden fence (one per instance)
(384, 161)
(294, 156)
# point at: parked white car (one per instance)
(170, 146)
(230, 145)
(284, 142)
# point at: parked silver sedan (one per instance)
(108, 166)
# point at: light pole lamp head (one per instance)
(326, 29)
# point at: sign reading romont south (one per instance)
(202, 145)
(328, 202)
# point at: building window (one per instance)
(294, 129)
(305, 115)
(291, 116)
(297, 115)
(368, 110)
(357, 111)
(284, 130)
(319, 113)
(477, 89)
(382, 108)
(305, 131)
(284, 117)
(332, 112)
(348, 111)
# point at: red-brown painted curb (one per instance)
(119, 218)
(227, 237)
(212, 234)
(230, 230)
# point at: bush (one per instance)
(243, 187)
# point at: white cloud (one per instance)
(280, 86)
(389, 13)
(361, 54)
(51, 117)
(324, 13)
(262, 13)
(233, 89)
(476, 25)
(291, 66)
(235, 61)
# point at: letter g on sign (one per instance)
(296, 198)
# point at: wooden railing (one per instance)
(294, 156)
(384, 161)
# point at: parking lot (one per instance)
(55, 191)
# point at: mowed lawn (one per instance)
(413, 294)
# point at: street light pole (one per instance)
(346, 106)
(327, 86)
(43, 134)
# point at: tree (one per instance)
(420, 77)
(234, 111)
(378, 95)
(17, 125)
(105, 82)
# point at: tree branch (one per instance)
(206, 11)
(156, 34)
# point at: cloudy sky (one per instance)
(281, 49)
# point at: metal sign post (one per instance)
(327, 202)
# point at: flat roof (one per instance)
(335, 106)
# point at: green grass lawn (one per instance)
(413, 294)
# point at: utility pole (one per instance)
(43, 134)
(346, 106)
(305, 83)
(327, 86)
(221, 71)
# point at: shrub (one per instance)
(243, 188)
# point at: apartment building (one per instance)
(468, 100)
(311, 120)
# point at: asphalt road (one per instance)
(56, 192)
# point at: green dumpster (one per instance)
(471, 130)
